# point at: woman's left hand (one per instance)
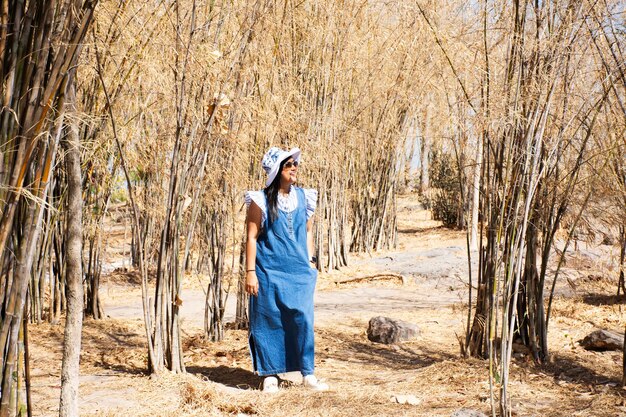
(252, 283)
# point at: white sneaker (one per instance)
(270, 385)
(311, 382)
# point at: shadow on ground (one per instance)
(358, 349)
(569, 370)
(227, 375)
(115, 345)
(414, 230)
(604, 299)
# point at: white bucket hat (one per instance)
(273, 158)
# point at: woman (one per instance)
(280, 273)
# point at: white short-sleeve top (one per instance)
(286, 204)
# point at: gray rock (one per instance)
(385, 330)
(603, 340)
(466, 412)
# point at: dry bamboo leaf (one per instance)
(215, 54)
(406, 399)
(221, 99)
(187, 202)
(178, 302)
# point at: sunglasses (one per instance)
(290, 164)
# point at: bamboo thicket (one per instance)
(39, 44)
(514, 112)
(538, 144)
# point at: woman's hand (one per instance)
(252, 283)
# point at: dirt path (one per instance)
(433, 279)
(432, 260)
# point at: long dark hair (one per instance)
(271, 194)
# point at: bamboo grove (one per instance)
(166, 107)
(537, 127)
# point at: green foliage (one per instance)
(119, 195)
(444, 198)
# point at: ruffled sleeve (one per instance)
(259, 199)
(311, 201)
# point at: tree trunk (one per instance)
(621, 285)
(241, 316)
(74, 271)
(624, 362)
(425, 165)
(476, 195)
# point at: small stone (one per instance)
(466, 412)
(603, 340)
(406, 399)
(388, 331)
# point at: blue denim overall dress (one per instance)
(281, 315)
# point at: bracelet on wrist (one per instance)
(250, 270)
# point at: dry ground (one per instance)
(363, 375)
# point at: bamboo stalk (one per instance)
(154, 364)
